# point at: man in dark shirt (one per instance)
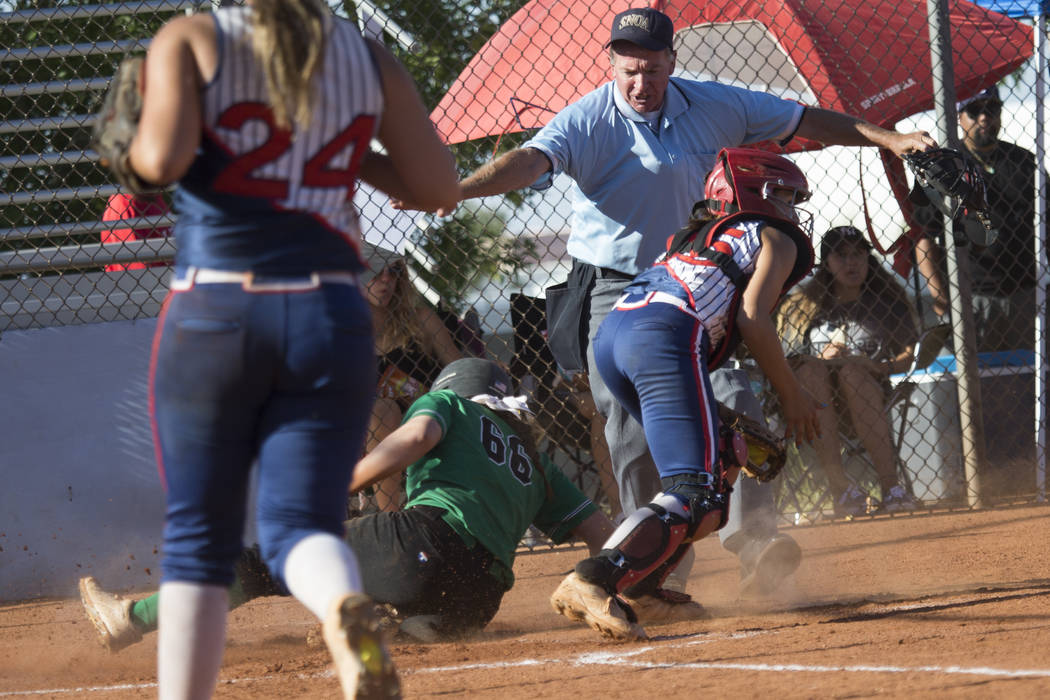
(1003, 273)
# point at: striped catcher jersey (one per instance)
(273, 200)
(700, 281)
(483, 478)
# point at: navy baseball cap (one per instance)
(989, 95)
(646, 27)
(842, 235)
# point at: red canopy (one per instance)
(870, 59)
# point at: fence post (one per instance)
(971, 421)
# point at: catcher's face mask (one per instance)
(953, 183)
(787, 200)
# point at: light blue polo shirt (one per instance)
(635, 184)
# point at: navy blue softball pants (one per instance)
(284, 380)
(653, 358)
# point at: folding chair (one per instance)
(804, 489)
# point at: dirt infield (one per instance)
(950, 605)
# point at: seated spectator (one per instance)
(412, 344)
(846, 330)
(124, 205)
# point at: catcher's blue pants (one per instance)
(284, 379)
(653, 359)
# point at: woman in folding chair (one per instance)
(846, 331)
(412, 344)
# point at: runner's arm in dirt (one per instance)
(594, 531)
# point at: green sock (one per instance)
(144, 612)
(237, 595)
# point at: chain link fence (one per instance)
(75, 249)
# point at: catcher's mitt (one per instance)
(117, 122)
(766, 452)
(950, 180)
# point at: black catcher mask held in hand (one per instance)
(950, 180)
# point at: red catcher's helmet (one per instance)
(743, 179)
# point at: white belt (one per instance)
(659, 298)
(261, 282)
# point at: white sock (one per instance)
(319, 569)
(191, 621)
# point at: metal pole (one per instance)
(971, 422)
(373, 22)
(1040, 374)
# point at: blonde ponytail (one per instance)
(288, 40)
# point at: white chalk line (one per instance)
(145, 686)
(622, 658)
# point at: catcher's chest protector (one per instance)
(704, 244)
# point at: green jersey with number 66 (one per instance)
(482, 475)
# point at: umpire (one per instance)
(638, 149)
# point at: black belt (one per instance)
(605, 273)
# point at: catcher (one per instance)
(717, 284)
